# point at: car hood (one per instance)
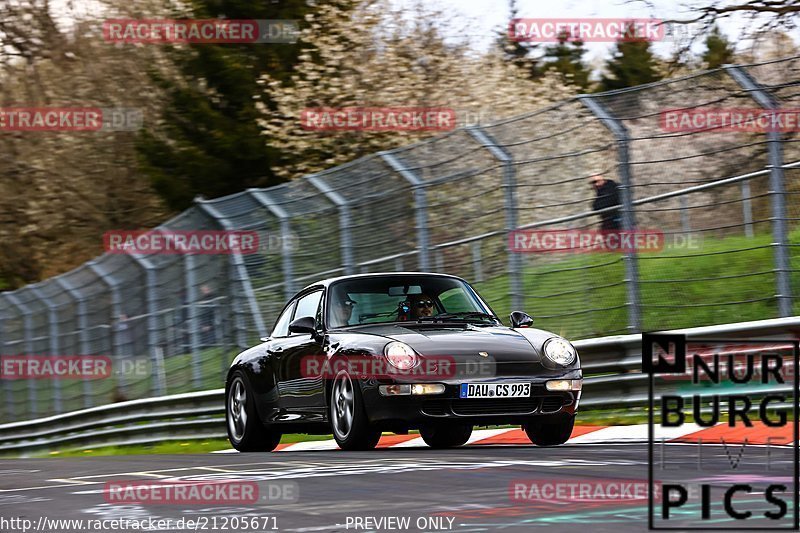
(501, 343)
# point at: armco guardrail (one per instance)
(611, 366)
(195, 415)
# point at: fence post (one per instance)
(747, 208)
(190, 283)
(83, 334)
(438, 259)
(27, 326)
(116, 313)
(53, 334)
(158, 386)
(686, 226)
(343, 206)
(477, 261)
(286, 234)
(510, 189)
(420, 206)
(239, 277)
(777, 191)
(620, 133)
(10, 409)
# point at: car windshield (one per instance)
(403, 298)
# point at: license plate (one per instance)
(495, 390)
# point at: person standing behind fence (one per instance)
(607, 196)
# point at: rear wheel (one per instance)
(245, 430)
(446, 436)
(550, 431)
(349, 422)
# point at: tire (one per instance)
(349, 423)
(550, 432)
(446, 435)
(246, 432)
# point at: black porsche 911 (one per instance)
(359, 355)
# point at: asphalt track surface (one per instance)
(467, 489)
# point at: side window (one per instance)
(308, 305)
(282, 325)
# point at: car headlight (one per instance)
(400, 355)
(559, 351)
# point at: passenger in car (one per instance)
(342, 311)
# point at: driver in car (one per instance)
(421, 305)
(342, 310)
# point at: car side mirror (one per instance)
(520, 319)
(305, 324)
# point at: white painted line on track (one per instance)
(312, 445)
(416, 442)
(75, 480)
(72, 481)
(613, 434)
(483, 434)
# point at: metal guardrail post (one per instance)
(345, 224)
(156, 355)
(438, 260)
(686, 225)
(52, 327)
(190, 284)
(286, 235)
(116, 314)
(83, 333)
(239, 277)
(420, 206)
(777, 190)
(510, 189)
(747, 209)
(615, 126)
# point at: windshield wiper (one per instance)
(465, 315)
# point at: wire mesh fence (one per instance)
(723, 201)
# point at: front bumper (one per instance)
(411, 412)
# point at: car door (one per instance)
(301, 393)
(273, 347)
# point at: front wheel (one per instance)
(550, 431)
(446, 436)
(349, 422)
(245, 430)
